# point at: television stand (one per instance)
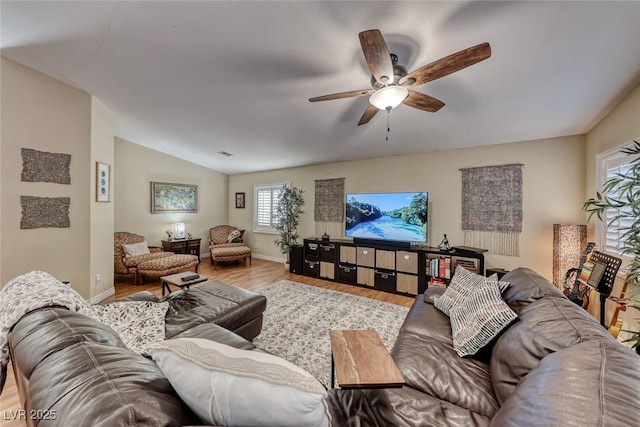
(404, 270)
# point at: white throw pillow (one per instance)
(227, 386)
(139, 323)
(479, 319)
(136, 249)
(462, 285)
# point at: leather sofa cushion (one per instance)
(583, 385)
(527, 286)
(106, 386)
(212, 302)
(431, 294)
(544, 326)
(139, 296)
(46, 331)
(426, 320)
(398, 407)
(433, 367)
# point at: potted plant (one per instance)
(287, 214)
(622, 192)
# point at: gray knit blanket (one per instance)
(29, 292)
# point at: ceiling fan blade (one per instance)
(447, 65)
(377, 55)
(368, 115)
(422, 101)
(341, 95)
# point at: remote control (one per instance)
(190, 277)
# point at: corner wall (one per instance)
(45, 114)
(619, 127)
(137, 166)
(102, 213)
(553, 192)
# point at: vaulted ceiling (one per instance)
(193, 79)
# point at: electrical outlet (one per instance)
(98, 277)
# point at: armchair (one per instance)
(155, 263)
(226, 244)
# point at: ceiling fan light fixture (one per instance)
(388, 97)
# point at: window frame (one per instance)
(604, 161)
(257, 188)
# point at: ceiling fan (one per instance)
(391, 83)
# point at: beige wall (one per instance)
(44, 114)
(553, 192)
(137, 166)
(101, 269)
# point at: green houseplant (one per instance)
(622, 192)
(287, 218)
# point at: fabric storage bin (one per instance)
(311, 268)
(386, 259)
(407, 262)
(385, 280)
(365, 256)
(327, 252)
(347, 273)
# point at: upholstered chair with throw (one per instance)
(227, 244)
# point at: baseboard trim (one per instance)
(103, 295)
(268, 258)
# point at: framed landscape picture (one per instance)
(166, 197)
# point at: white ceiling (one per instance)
(195, 78)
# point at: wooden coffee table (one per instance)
(359, 359)
(176, 280)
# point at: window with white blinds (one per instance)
(266, 200)
(610, 230)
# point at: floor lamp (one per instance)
(568, 241)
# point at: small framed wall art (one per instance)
(239, 200)
(103, 182)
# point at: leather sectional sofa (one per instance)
(555, 366)
(77, 370)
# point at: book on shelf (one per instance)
(436, 282)
(444, 267)
(439, 267)
(467, 264)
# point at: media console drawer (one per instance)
(311, 268)
(311, 250)
(366, 256)
(407, 262)
(327, 252)
(385, 280)
(347, 273)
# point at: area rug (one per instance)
(299, 317)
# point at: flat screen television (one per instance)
(400, 217)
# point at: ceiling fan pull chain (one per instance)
(388, 123)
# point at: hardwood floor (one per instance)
(259, 275)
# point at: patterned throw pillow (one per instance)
(224, 385)
(462, 285)
(139, 323)
(479, 319)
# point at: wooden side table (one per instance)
(359, 359)
(182, 246)
(176, 280)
